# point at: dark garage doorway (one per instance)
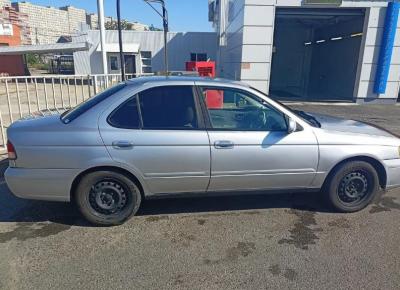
(316, 53)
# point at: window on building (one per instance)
(235, 110)
(114, 63)
(146, 61)
(198, 57)
(169, 108)
(145, 54)
(126, 116)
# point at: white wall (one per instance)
(231, 54)
(369, 58)
(250, 30)
(180, 45)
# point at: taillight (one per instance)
(12, 155)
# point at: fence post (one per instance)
(18, 98)
(37, 95)
(27, 95)
(69, 93)
(88, 83)
(3, 134)
(54, 94)
(9, 102)
(62, 94)
(83, 90)
(46, 98)
(95, 84)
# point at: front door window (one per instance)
(236, 110)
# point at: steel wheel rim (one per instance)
(108, 197)
(354, 187)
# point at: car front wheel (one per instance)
(107, 197)
(353, 186)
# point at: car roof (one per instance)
(183, 79)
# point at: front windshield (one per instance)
(309, 119)
(74, 113)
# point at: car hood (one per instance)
(350, 126)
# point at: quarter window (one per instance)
(71, 115)
(231, 109)
(126, 116)
(168, 107)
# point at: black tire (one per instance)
(107, 198)
(353, 186)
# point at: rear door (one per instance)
(250, 146)
(160, 134)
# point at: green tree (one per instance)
(152, 28)
(113, 25)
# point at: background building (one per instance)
(13, 32)
(5, 3)
(93, 20)
(144, 51)
(76, 17)
(47, 24)
(307, 49)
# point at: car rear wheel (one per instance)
(353, 186)
(107, 198)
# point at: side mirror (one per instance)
(292, 126)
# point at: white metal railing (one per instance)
(48, 94)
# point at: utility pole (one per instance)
(100, 10)
(165, 23)
(164, 16)
(121, 50)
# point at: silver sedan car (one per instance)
(159, 136)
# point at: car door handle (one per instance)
(122, 144)
(224, 144)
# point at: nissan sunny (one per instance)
(162, 136)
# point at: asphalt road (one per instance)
(240, 242)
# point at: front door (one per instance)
(130, 64)
(158, 134)
(250, 146)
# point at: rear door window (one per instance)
(168, 108)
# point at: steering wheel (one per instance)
(259, 119)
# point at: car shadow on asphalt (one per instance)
(14, 209)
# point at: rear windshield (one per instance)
(74, 113)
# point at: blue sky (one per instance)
(184, 15)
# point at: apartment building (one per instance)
(93, 20)
(76, 17)
(11, 20)
(5, 3)
(47, 24)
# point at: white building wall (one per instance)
(369, 58)
(231, 54)
(258, 34)
(247, 54)
(180, 46)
